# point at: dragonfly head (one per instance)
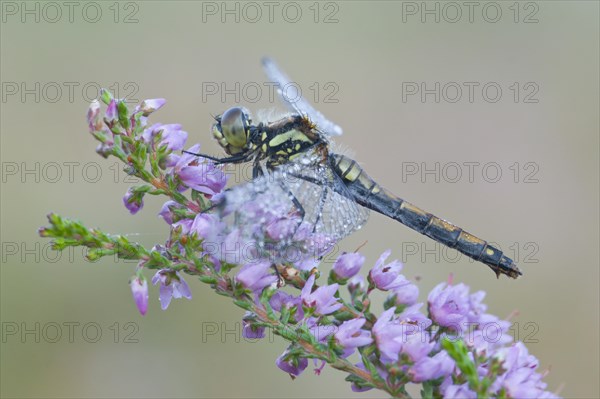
(232, 130)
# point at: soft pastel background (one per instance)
(173, 50)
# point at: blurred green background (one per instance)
(357, 61)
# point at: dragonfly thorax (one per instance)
(277, 142)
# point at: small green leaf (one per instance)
(106, 96)
(208, 279)
(123, 114)
(243, 304)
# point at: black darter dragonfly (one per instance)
(294, 167)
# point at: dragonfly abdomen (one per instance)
(370, 194)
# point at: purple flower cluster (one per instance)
(172, 285)
(171, 136)
(408, 341)
(350, 335)
(404, 343)
(256, 276)
(196, 174)
(520, 379)
(139, 290)
(387, 277)
(348, 265)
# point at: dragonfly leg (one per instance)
(297, 204)
(256, 169)
(322, 200)
(233, 159)
(295, 201)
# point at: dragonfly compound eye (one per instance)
(234, 128)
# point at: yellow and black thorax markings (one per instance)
(286, 138)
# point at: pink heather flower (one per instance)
(133, 202)
(406, 294)
(93, 116)
(293, 366)
(320, 331)
(111, 111)
(233, 248)
(520, 379)
(322, 299)
(428, 368)
(251, 330)
(411, 315)
(356, 388)
(150, 106)
(308, 263)
(171, 135)
(491, 333)
(476, 306)
(172, 285)
(225, 249)
(485, 342)
(449, 305)
(387, 277)
(357, 285)
(281, 300)
(256, 276)
(150, 132)
(166, 212)
(281, 228)
(459, 392)
(385, 331)
(199, 175)
(523, 383)
(139, 290)
(351, 336)
(318, 368)
(416, 343)
(184, 224)
(348, 265)
(207, 226)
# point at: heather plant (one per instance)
(450, 346)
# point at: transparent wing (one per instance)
(327, 203)
(299, 104)
(301, 209)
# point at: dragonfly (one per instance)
(294, 166)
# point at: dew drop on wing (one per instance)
(252, 206)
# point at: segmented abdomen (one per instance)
(371, 195)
